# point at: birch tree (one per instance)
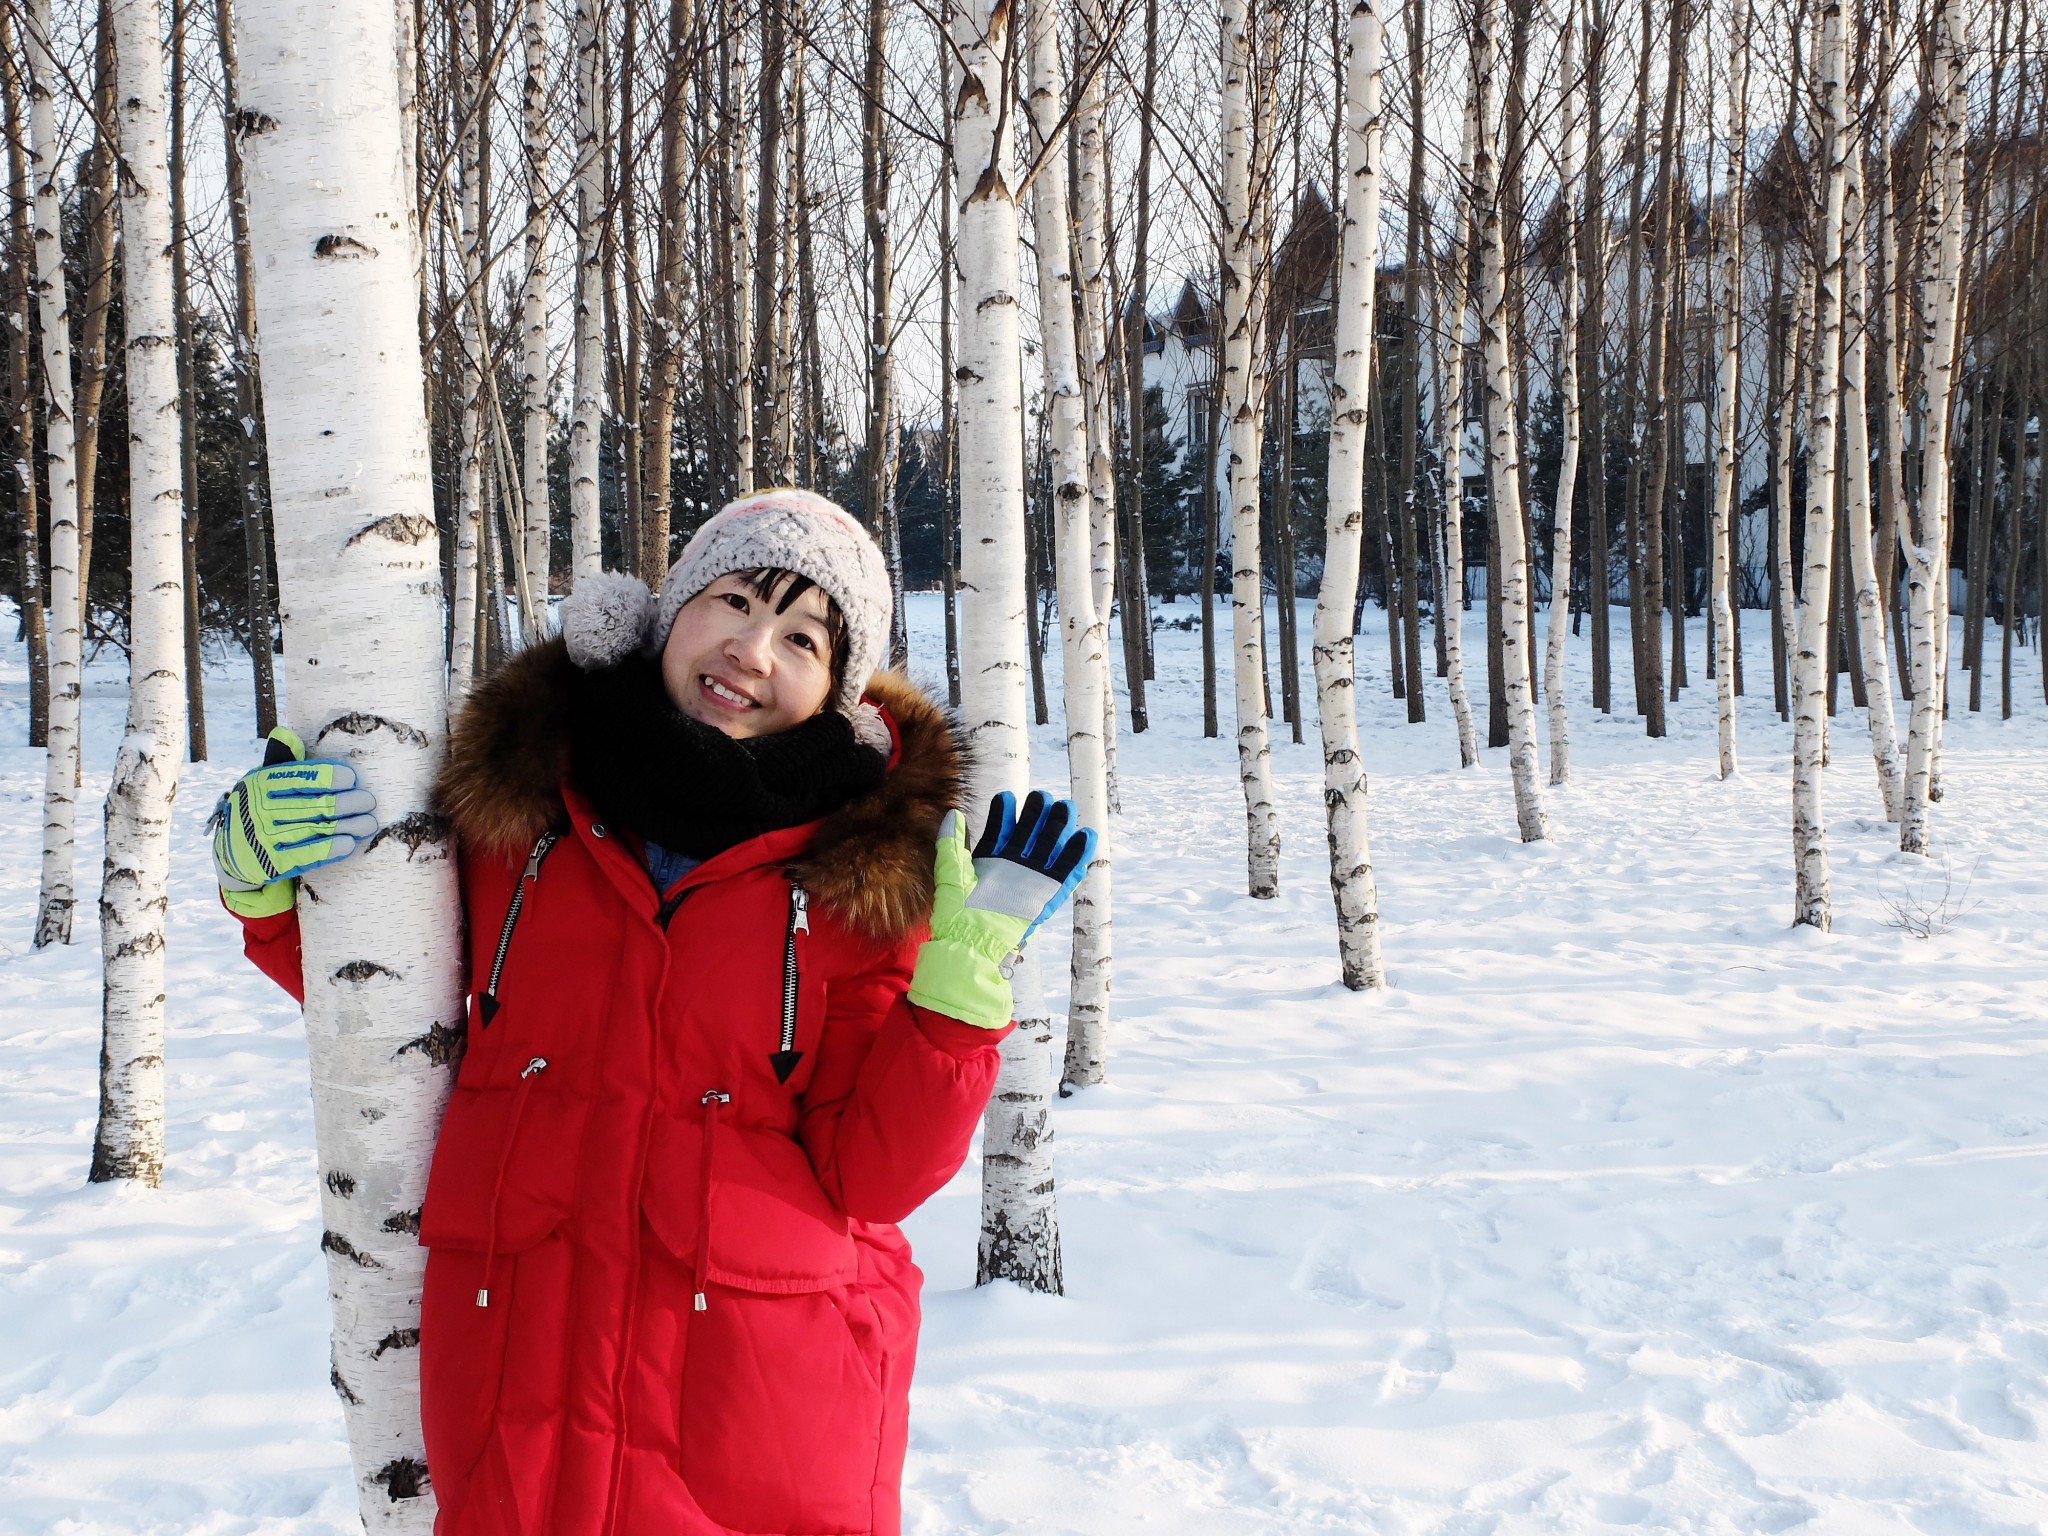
(1019, 1223)
(1867, 598)
(1084, 636)
(1454, 301)
(465, 662)
(1344, 781)
(135, 881)
(1091, 212)
(57, 898)
(1926, 540)
(586, 549)
(358, 562)
(1245, 280)
(533, 325)
(1503, 448)
(1568, 391)
(1809, 659)
(1727, 381)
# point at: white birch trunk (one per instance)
(1091, 208)
(739, 233)
(1344, 781)
(1451, 422)
(58, 897)
(134, 887)
(1727, 381)
(464, 662)
(1020, 1238)
(1926, 545)
(1083, 634)
(533, 329)
(1568, 385)
(1873, 643)
(586, 426)
(1503, 450)
(360, 575)
(1810, 904)
(1245, 280)
(1794, 370)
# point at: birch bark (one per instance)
(1568, 391)
(359, 568)
(1091, 207)
(134, 885)
(1245, 279)
(1451, 422)
(1019, 1222)
(57, 899)
(1084, 637)
(1926, 544)
(1503, 452)
(533, 326)
(1727, 381)
(1810, 902)
(1871, 651)
(586, 547)
(1352, 886)
(465, 661)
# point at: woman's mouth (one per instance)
(725, 694)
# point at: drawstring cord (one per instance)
(712, 1102)
(532, 1070)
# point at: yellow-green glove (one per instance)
(986, 907)
(283, 819)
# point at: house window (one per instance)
(1474, 385)
(1198, 420)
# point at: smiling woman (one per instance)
(734, 1006)
(755, 652)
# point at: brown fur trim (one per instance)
(869, 866)
(501, 783)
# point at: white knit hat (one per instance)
(610, 615)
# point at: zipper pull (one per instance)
(799, 909)
(537, 1065)
(540, 851)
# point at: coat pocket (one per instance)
(505, 1165)
(774, 1231)
(781, 1402)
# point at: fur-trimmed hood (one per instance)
(869, 863)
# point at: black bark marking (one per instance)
(341, 248)
(403, 1478)
(416, 830)
(341, 1387)
(341, 1247)
(248, 122)
(341, 1183)
(357, 972)
(358, 724)
(407, 1222)
(440, 1044)
(399, 528)
(397, 1338)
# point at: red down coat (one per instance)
(665, 1292)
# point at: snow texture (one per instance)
(1626, 1206)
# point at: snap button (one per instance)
(597, 829)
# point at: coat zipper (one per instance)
(785, 1057)
(487, 1005)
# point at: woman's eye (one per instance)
(804, 640)
(736, 601)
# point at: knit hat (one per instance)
(609, 615)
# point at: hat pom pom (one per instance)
(871, 730)
(605, 619)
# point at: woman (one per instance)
(712, 1055)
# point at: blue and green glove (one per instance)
(283, 819)
(988, 905)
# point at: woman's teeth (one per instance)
(724, 692)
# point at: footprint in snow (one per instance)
(1418, 1367)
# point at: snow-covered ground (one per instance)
(1626, 1205)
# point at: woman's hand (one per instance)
(986, 907)
(282, 820)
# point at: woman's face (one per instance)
(733, 662)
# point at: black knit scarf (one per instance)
(688, 786)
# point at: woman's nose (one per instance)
(751, 647)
